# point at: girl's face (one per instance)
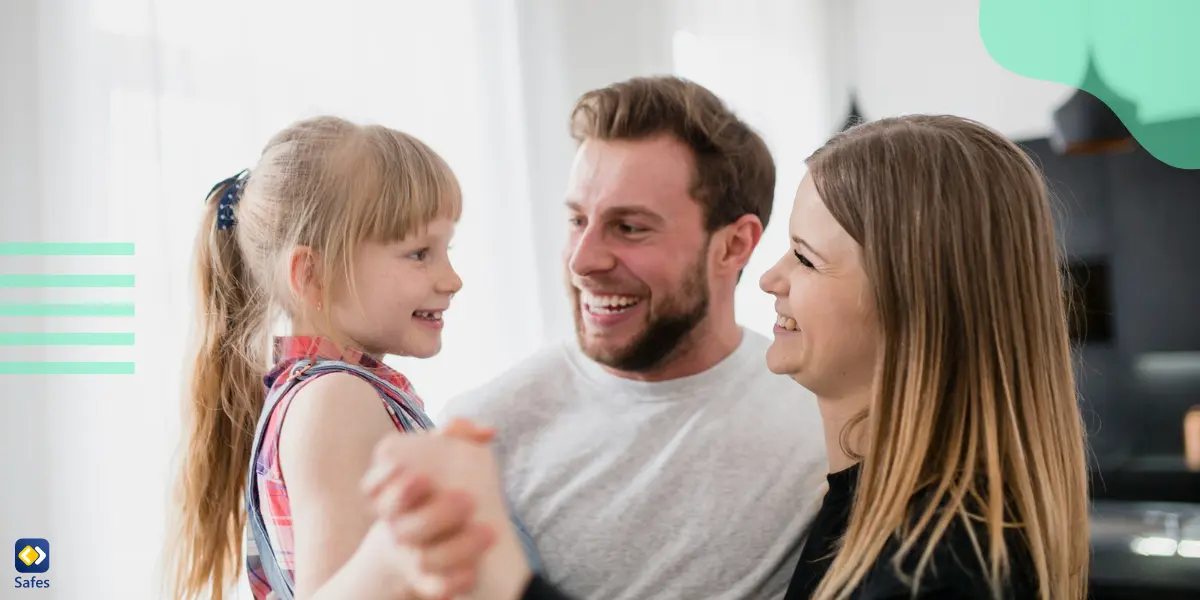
(826, 334)
(401, 290)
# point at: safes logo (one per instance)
(31, 555)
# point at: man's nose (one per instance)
(590, 253)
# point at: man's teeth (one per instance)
(431, 315)
(608, 304)
(787, 323)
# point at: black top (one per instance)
(954, 571)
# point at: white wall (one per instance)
(772, 62)
(769, 60)
(786, 67)
(927, 56)
(566, 49)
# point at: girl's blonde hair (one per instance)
(975, 402)
(325, 184)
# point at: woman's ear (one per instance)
(736, 242)
(304, 277)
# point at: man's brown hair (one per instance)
(735, 174)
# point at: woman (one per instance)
(921, 302)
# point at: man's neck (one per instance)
(707, 345)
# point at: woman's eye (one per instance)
(630, 229)
(803, 261)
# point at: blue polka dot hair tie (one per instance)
(233, 187)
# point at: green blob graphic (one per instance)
(1146, 52)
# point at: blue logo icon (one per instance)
(32, 555)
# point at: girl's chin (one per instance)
(426, 350)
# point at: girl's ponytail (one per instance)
(225, 397)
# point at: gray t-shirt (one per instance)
(698, 487)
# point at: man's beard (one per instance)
(668, 326)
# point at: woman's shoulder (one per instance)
(957, 567)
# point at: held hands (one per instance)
(442, 530)
(427, 542)
(437, 500)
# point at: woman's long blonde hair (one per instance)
(975, 402)
(325, 184)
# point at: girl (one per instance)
(344, 230)
(921, 302)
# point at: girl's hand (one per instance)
(430, 535)
(433, 543)
(439, 498)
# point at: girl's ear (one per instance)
(304, 277)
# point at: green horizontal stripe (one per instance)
(82, 309)
(68, 281)
(66, 368)
(65, 249)
(66, 339)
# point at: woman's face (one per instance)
(826, 332)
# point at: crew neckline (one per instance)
(672, 389)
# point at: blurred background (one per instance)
(117, 116)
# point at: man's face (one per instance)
(637, 253)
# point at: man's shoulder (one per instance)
(530, 379)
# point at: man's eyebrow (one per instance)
(622, 211)
(634, 211)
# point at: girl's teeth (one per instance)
(787, 323)
(431, 316)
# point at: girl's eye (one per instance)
(421, 254)
(804, 261)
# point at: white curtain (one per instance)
(116, 116)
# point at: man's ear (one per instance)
(304, 277)
(735, 243)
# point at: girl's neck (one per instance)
(845, 429)
(342, 342)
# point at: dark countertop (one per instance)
(1145, 548)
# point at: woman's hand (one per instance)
(438, 496)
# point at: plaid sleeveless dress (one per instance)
(270, 562)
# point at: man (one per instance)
(657, 457)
